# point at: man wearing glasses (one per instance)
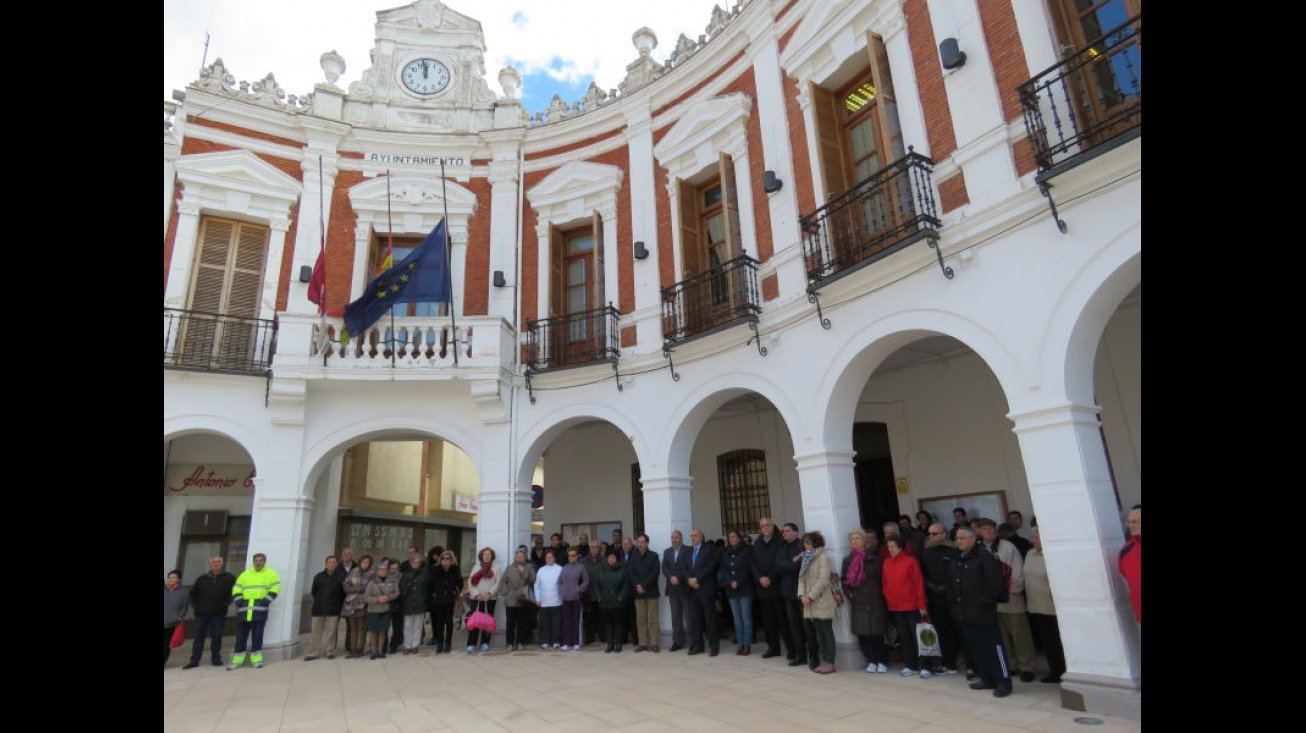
(936, 568)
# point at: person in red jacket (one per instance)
(904, 594)
(1130, 561)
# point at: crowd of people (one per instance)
(981, 585)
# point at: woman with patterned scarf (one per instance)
(481, 590)
(817, 597)
(861, 581)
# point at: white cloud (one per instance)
(569, 41)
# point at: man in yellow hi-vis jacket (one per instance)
(253, 593)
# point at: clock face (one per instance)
(425, 76)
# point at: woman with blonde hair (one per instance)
(446, 584)
(817, 596)
(868, 613)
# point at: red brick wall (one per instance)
(929, 79)
(1023, 152)
(694, 90)
(1006, 53)
(771, 287)
(628, 336)
(952, 193)
(340, 243)
(804, 185)
(476, 277)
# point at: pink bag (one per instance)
(482, 621)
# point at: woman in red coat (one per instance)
(904, 594)
(1130, 561)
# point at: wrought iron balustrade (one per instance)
(1089, 102)
(574, 339)
(215, 342)
(889, 210)
(711, 300)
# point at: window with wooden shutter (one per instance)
(227, 285)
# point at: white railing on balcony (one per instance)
(420, 342)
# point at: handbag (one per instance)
(178, 635)
(836, 589)
(482, 621)
(927, 640)
(527, 599)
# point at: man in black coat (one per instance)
(210, 597)
(789, 561)
(936, 569)
(702, 580)
(774, 618)
(975, 588)
(328, 592)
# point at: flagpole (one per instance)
(448, 261)
(321, 221)
(390, 238)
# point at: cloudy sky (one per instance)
(557, 45)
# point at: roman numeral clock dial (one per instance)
(425, 76)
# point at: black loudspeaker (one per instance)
(950, 56)
(498, 279)
(305, 273)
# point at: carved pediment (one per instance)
(410, 190)
(575, 180)
(235, 167)
(428, 15)
(718, 119)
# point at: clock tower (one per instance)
(427, 73)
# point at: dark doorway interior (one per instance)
(877, 497)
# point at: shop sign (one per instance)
(209, 479)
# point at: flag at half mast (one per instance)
(421, 277)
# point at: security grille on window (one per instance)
(745, 498)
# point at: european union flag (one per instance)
(421, 277)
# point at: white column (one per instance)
(1079, 522)
(667, 507)
(505, 241)
(829, 495)
(644, 228)
(183, 255)
(314, 215)
(280, 523)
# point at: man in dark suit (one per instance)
(702, 581)
(675, 568)
(787, 565)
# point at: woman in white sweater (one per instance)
(548, 593)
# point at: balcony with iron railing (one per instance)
(438, 346)
(573, 340)
(715, 299)
(1087, 104)
(200, 341)
(889, 210)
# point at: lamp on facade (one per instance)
(770, 183)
